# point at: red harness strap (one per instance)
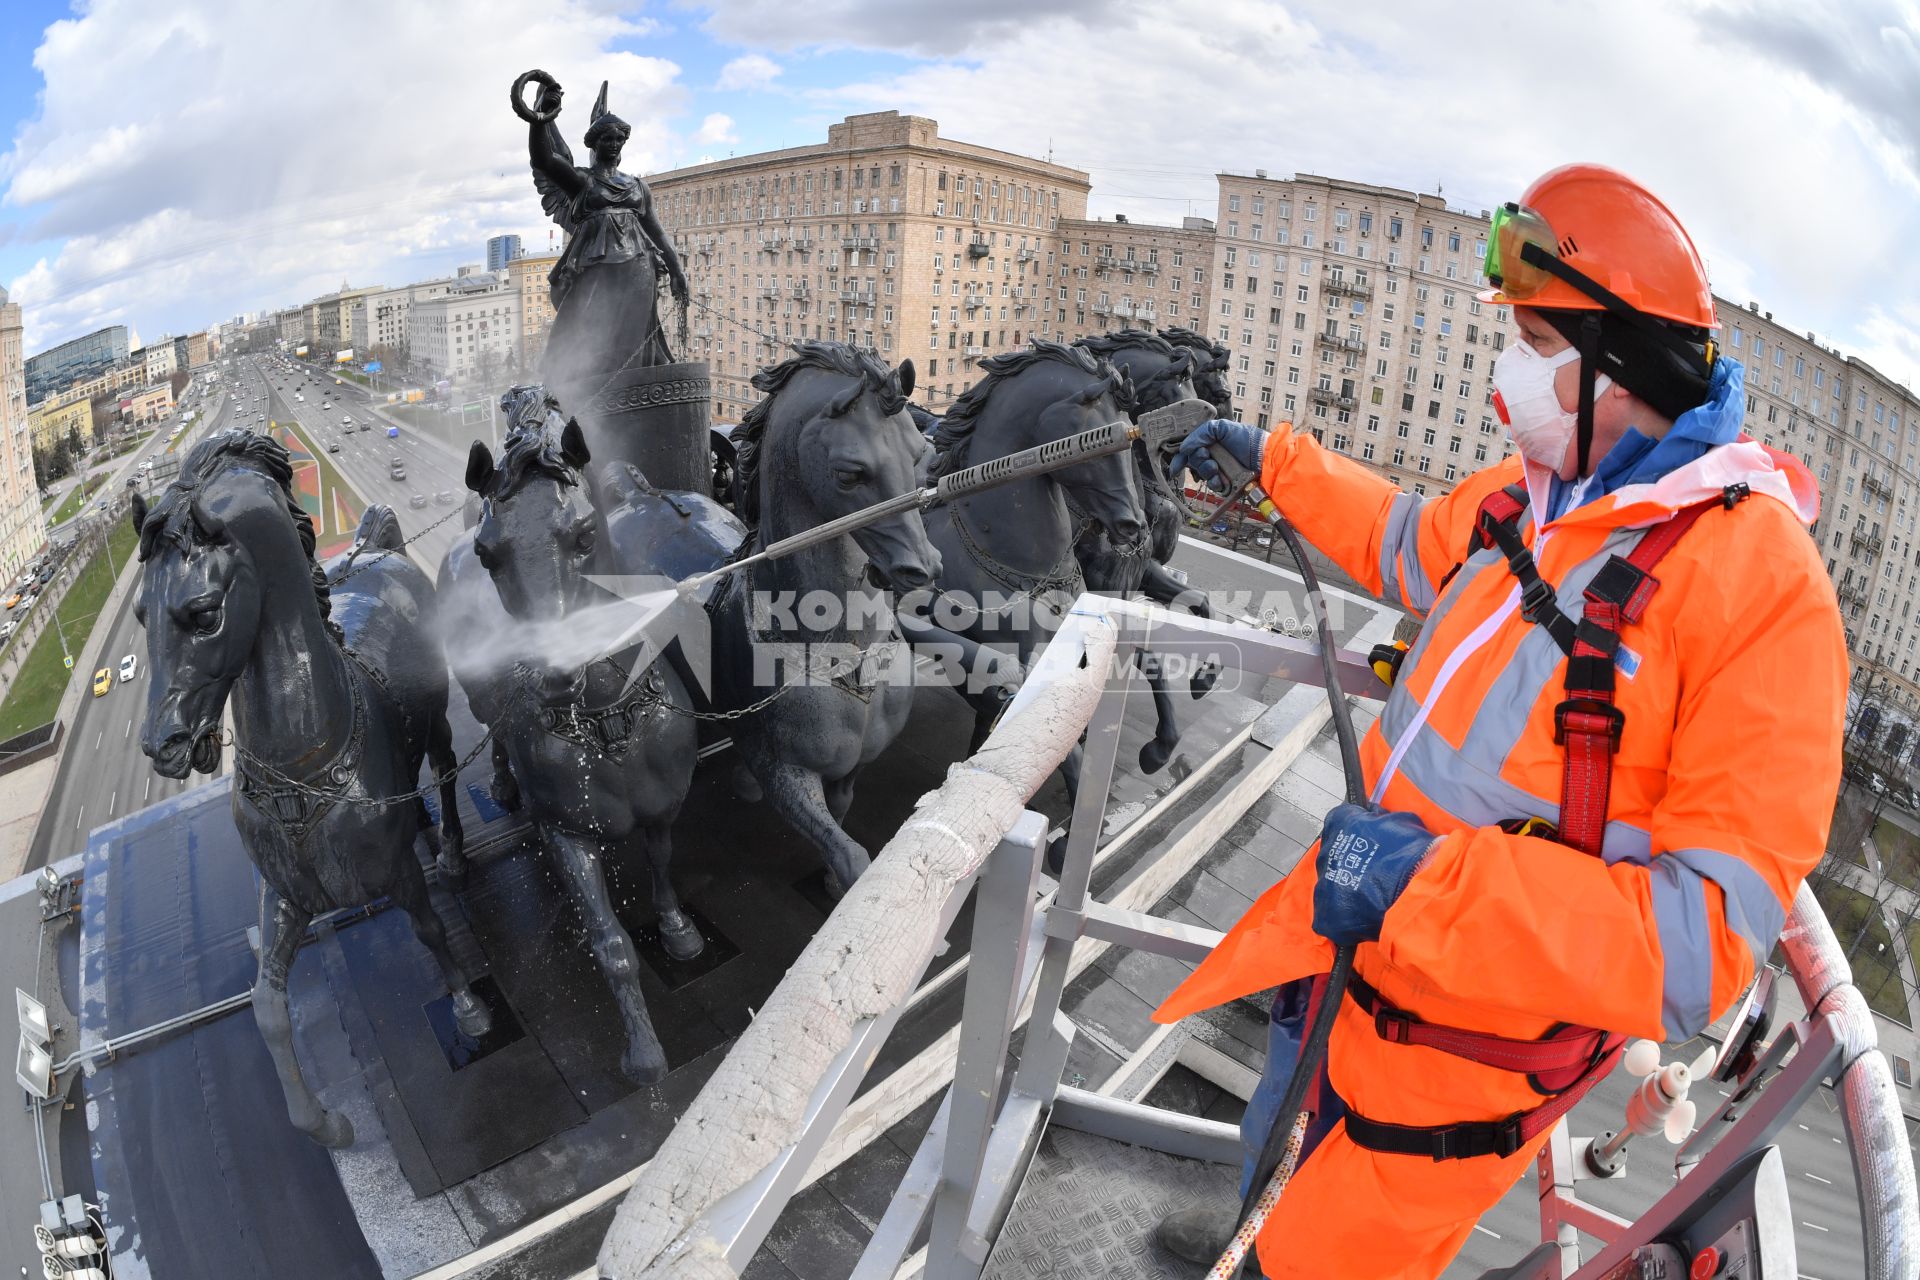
(1567, 1061)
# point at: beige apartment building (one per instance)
(527, 277)
(61, 417)
(887, 236)
(468, 333)
(23, 526)
(1350, 310)
(1122, 274)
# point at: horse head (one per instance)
(1049, 392)
(205, 544)
(539, 532)
(1210, 363)
(833, 436)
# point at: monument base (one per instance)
(659, 419)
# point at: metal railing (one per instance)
(973, 1160)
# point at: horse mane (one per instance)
(1179, 360)
(956, 427)
(750, 438)
(170, 518)
(531, 446)
(1218, 354)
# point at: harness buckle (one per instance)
(1536, 598)
(1576, 715)
(1735, 493)
(1395, 1026)
(1508, 1137)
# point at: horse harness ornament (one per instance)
(1569, 1060)
(295, 807)
(607, 731)
(1064, 576)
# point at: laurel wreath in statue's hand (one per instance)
(541, 112)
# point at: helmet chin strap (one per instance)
(1589, 357)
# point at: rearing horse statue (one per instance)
(337, 687)
(603, 761)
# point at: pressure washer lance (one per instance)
(1281, 1151)
(1024, 465)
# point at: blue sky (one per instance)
(252, 155)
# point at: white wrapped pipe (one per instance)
(865, 960)
(1876, 1129)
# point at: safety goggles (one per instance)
(1509, 266)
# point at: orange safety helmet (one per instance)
(1610, 229)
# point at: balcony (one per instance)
(1343, 288)
(972, 303)
(1103, 308)
(1867, 542)
(1333, 342)
(1147, 313)
(1852, 593)
(856, 295)
(860, 242)
(1327, 395)
(1028, 255)
(1150, 267)
(801, 288)
(770, 291)
(979, 249)
(1102, 266)
(1123, 308)
(1876, 484)
(974, 353)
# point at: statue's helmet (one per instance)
(606, 125)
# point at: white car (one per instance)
(128, 666)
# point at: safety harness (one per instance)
(1568, 1060)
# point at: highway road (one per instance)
(103, 774)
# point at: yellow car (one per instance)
(102, 681)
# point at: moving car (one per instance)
(417, 501)
(333, 446)
(444, 497)
(396, 470)
(128, 666)
(13, 601)
(102, 681)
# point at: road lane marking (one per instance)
(146, 790)
(1816, 1226)
(1805, 1129)
(78, 816)
(97, 737)
(128, 733)
(1482, 1230)
(1825, 1182)
(113, 800)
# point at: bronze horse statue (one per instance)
(603, 753)
(830, 437)
(1010, 569)
(1210, 361)
(338, 692)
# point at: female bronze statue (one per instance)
(606, 282)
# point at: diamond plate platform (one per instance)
(1089, 1206)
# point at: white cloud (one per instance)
(251, 157)
(715, 130)
(750, 71)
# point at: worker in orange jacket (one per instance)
(1601, 773)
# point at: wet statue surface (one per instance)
(606, 284)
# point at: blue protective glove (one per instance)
(1244, 443)
(1367, 858)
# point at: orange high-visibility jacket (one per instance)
(1733, 684)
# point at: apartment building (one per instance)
(1350, 311)
(1122, 274)
(380, 318)
(887, 236)
(471, 330)
(1858, 431)
(68, 415)
(76, 360)
(157, 361)
(23, 526)
(527, 277)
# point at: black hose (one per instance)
(1313, 1049)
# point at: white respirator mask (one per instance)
(1525, 398)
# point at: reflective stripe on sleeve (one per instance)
(1686, 947)
(1400, 571)
(1753, 911)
